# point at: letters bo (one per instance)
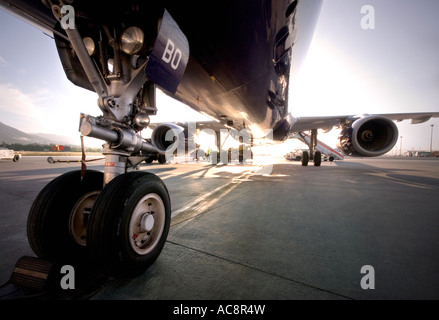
(172, 54)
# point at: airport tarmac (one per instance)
(292, 233)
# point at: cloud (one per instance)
(3, 62)
(18, 109)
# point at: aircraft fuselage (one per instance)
(241, 52)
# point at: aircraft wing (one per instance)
(362, 135)
(328, 122)
(188, 131)
(414, 117)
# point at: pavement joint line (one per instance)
(260, 270)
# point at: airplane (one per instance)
(229, 60)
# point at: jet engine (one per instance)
(168, 137)
(369, 136)
(165, 138)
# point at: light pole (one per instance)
(400, 148)
(431, 139)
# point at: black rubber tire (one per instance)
(305, 158)
(317, 159)
(108, 235)
(162, 159)
(48, 229)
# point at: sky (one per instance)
(392, 68)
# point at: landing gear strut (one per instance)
(312, 155)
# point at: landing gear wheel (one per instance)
(129, 224)
(305, 158)
(317, 159)
(162, 159)
(57, 222)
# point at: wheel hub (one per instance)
(146, 224)
(79, 217)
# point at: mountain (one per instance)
(11, 135)
(57, 139)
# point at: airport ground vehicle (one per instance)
(6, 154)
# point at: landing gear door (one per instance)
(170, 55)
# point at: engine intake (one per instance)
(370, 136)
(167, 137)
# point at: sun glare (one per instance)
(330, 83)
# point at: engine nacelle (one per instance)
(370, 136)
(167, 137)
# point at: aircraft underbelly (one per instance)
(241, 52)
(231, 69)
(241, 55)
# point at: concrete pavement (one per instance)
(297, 233)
